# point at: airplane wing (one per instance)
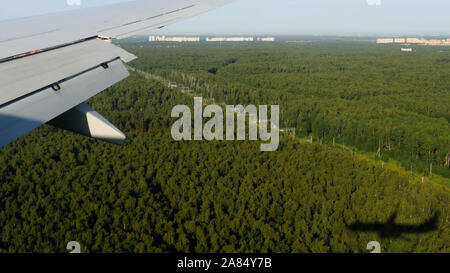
(51, 64)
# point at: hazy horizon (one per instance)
(348, 18)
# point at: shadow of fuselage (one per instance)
(390, 229)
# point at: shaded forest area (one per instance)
(158, 195)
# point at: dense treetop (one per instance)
(368, 96)
(158, 195)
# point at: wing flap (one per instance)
(24, 75)
(21, 117)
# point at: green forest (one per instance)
(378, 119)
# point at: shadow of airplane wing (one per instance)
(390, 229)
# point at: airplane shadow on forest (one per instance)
(390, 229)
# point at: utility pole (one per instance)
(379, 147)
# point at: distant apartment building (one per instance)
(435, 42)
(173, 39)
(183, 39)
(230, 39)
(385, 41)
(266, 39)
(417, 41)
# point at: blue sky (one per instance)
(298, 17)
